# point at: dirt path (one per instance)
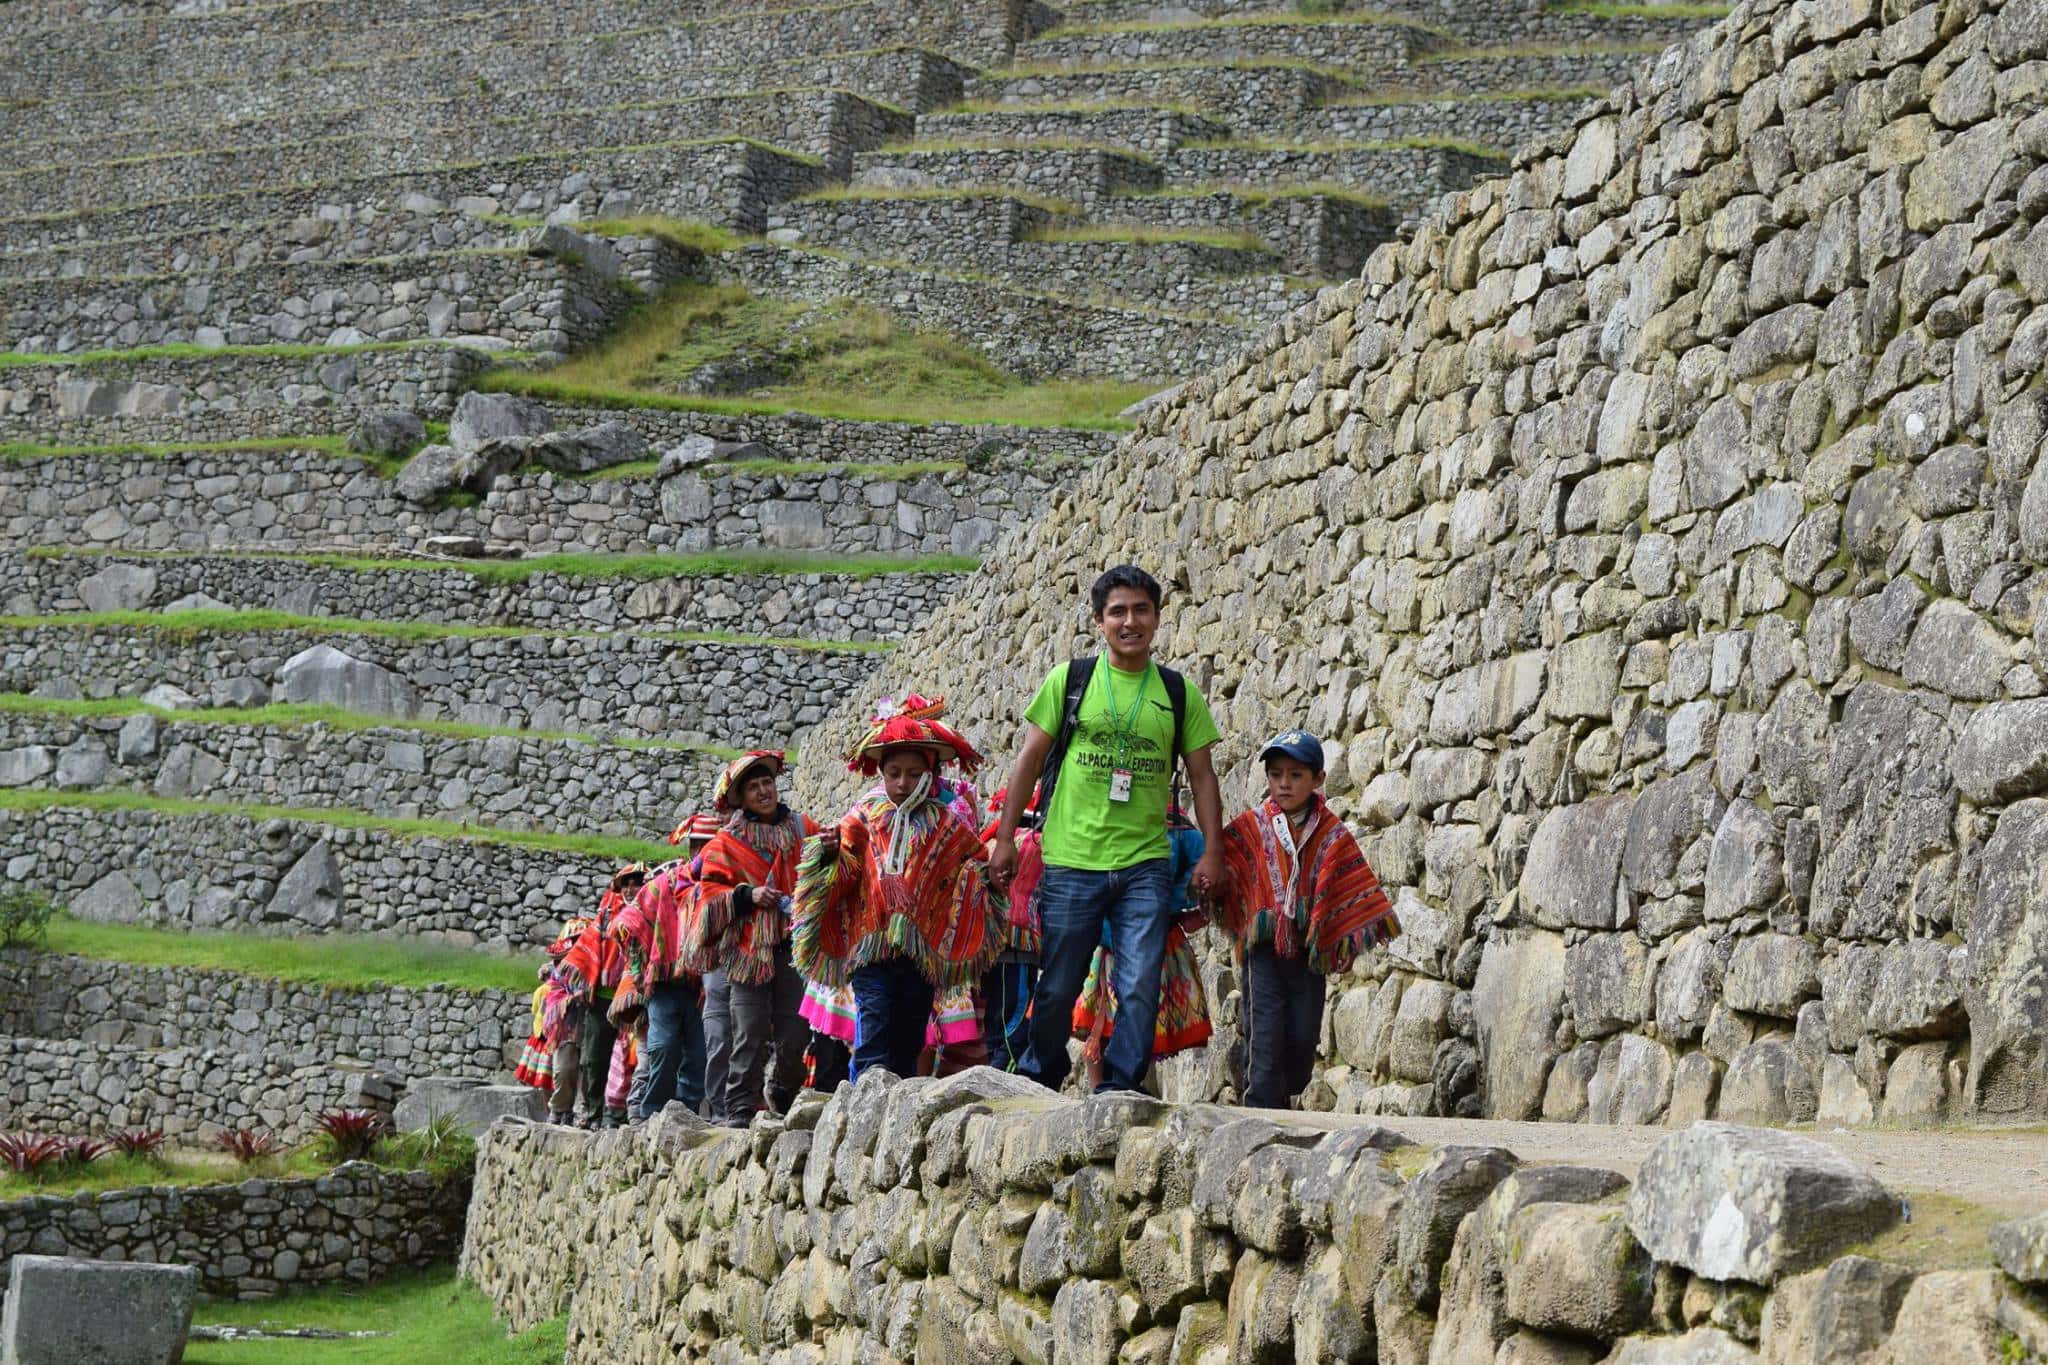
(2002, 1169)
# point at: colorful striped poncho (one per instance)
(853, 910)
(747, 852)
(650, 930)
(594, 961)
(1316, 898)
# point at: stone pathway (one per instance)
(2000, 1168)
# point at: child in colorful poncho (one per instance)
(893, 900)
(591, 971)
(650, 930)
(537, 1059)
(561, 1025)
(1004, 993)
(737, 920)
(1300, 902)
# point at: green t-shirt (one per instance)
(1084, 828)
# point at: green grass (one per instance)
(116, 1172)
(30, 450)
(345, 961)
(1361, 18)
(843, 359)
(1074, 107)
(1516, 95)
(579, 845)
(690, 236)
(1403, 144)
(290, 715)
(946, 146)
(428, 1316)
(233, 621)
(1137, 234)
(1509, 50)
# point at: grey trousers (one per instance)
(768, 1040)
(568, 1068)
(717, 1042)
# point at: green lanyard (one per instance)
(1123, 727)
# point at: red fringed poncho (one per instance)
(852, 911)
(1268, 877)
(747, 852)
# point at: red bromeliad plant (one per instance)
(247, 1145)
(351, 1133)
(145, 1143)
(78, 1152)
(30, 1154)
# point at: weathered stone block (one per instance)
(61, 1311)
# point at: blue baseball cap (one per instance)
(1299, 745)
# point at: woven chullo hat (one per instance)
(912, 723)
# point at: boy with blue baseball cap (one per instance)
(1300, 902)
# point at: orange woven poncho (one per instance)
(852, 911)
(1268, 876)
(747, 852)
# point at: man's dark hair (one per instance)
(1123, 576)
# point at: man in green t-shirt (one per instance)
(1104, 829)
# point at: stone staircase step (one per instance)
(642, 35)
(312, 501)
(1078, 174)
(1132, 128)
(1030, 333)
(215, 865)
(512, 780)
(526, 300)
(1244, 93)
(1315, 230)
(1489, 120)
(655, 686)
(823, 123)
(1353, 42)
(1406, 176)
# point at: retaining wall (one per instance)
(257, 1237)
(208, 870)
(503, 782)
(969, 1220)
(224, 501)
(425, 1032)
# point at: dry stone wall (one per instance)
(218, 870)
(1655, 537)
(501, 781)
(237, 501)
(432, 1031)
(258, 1237)
(976, 1219)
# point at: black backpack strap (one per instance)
(1176, 693)
(1078, 673)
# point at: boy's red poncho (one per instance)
(651, 928)
(852, 911)
(747, 852)
(1267, 873)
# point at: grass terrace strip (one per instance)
(1399, 144)
(117, 1172)
(1670, 11)
(713, 564)
(298, 715)
(1051, 144)
(576, 845)
(1072, 107)
(26, 451)
(230, 621)
(346, 961)
(1532, 94)
(1282, 19)
(842, 193)
(1029, 70)
(431, 1315)
(1467, 54)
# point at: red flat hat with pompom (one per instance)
(912, 724)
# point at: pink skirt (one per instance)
(828, 1011)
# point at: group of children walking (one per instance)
(776, 954)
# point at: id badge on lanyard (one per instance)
(1120, 785)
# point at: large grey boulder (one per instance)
(481, 418)
(2005, 989)
(1516, 1002)
(113, 899)
(588, 449)
(428, 476)
(2003, 752)
(1574, 865)
(325, 675)
(473, 1104)
(118, 587)
(29, 763)
(1735, 1203)
(62, 1310)
(387, 432)
(311, 893)
(2022, 1248)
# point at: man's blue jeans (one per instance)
(1073, 906)
(675, 1047)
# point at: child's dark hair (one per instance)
(1123, 576)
